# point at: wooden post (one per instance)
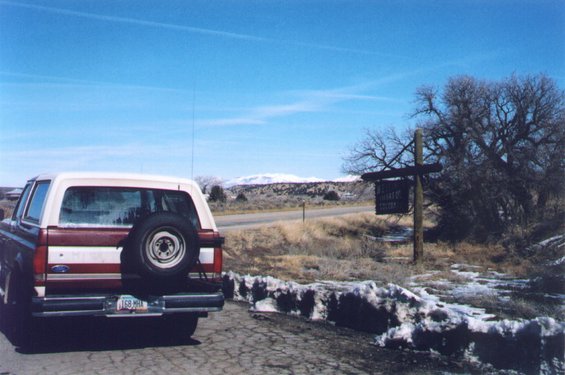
(418, 199)
(418, 170)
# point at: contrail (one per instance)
(134, 21)
(196, 30)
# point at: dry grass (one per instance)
(340, 248)
(335, 249)
(343, 248)
(441, 255)
(8, 207)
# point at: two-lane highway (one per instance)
(244, 221)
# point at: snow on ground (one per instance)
(401, 318)
(478, 282)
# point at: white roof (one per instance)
(112, 176)
(61, 181)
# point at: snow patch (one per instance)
(477, 282)
(266, 305)
(401, 318)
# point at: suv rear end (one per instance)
(110, 245)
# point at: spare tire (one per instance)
(163, 245)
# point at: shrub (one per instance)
(331, 196)
(241, 198)
(217, 194)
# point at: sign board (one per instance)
(391, 197)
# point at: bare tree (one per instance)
(501, 145)
(380, 149)
(206, 182)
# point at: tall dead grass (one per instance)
(343, 248)
(340, 248)
(7, 207)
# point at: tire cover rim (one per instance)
(165, 248)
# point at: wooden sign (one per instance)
(402, 172)
(391, 197)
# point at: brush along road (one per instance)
(244, 221)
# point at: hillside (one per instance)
(309, 191)
(293, 195)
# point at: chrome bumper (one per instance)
(106, 305)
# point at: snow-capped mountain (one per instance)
(270, 178)
(275, 178)
(348, 178)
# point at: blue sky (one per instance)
(235, 88)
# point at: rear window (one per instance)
(121, 207)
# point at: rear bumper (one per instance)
(106, 305)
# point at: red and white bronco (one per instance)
(114, 245)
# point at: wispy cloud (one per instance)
(232, 121)
(344, 49)
(191, 29)
(261, 115)
(58, 81)
(308, 101)
(71, 157)
(346, 96)
(324, 100)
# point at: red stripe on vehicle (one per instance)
(40, 259)
(209, 238)
(218, 260)
(87, 237)
(206, 267)
(87, 268)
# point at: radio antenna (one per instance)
(193, 132)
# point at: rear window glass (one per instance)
(117, 207)
(38, 196)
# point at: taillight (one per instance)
(40, 259)
(218, 259)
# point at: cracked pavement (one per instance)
(233, 341)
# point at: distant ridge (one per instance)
(304, 191)
(277, 178)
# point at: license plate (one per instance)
(130, 303)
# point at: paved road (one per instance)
(233, 341)
(242, 221)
